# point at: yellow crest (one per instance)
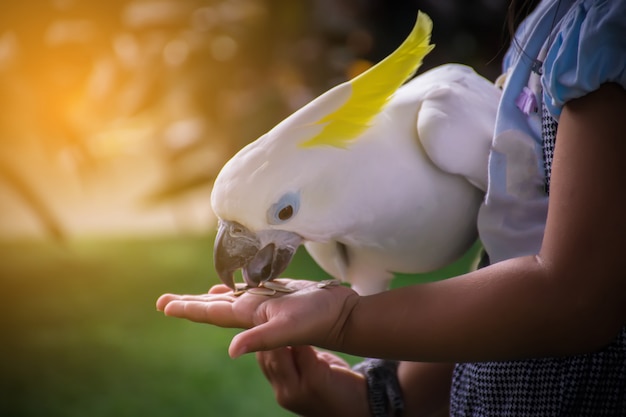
(372, 89)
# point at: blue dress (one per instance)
(566, 49)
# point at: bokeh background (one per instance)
(115, 117)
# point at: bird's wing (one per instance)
(456, 120)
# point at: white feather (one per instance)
(402, 198)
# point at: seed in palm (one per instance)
(328, 283)
(276, 286)
(261, 291)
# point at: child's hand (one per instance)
(308, 316)
(311, 382)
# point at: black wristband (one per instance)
(384, 394)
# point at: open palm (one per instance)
(309, 315)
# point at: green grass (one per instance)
(81, 336)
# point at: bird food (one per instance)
(267, 288)
(328, 283)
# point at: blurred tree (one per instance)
(308, 47)
(194, 81)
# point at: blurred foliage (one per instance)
(81, 336)
(192, 81)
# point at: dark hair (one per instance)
(518, 10)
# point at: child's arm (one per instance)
(568, 299)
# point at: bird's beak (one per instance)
(262, 256)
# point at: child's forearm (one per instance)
(507, 311)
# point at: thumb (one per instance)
(267, 336)
(306, 359)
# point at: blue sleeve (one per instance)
(589, 49)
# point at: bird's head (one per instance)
(251, 231)
(269, 199)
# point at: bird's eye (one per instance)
(285, 213)
(286, 207)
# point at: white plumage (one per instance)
(402, 196)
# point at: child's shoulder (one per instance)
(585, 50)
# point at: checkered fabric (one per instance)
(548, 133)
(591, 385)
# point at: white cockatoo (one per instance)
(375, 176)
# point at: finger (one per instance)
(164, 300)
(219, 289)
(261, 360)
(332, 359)
(306, 360)
(217, 312)
(278, 366)
(267, 336)
(208, 297)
